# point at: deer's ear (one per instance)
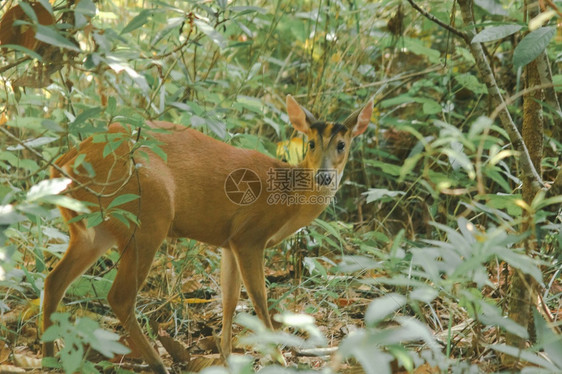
(299, 116)
(358, 121)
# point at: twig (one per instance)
(436, 20)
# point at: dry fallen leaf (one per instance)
(10, 369)
(4, 352)
(176, 350)
(24, 361)
(200, 363)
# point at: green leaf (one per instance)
(519, 261)
(27, 51)
(84, 9)
(49, 35)
(28, 10)
(492, 6)
(381, 307)
(367, 351)
(47, 187)
(93, 219)
(243, 9)
(431, 106)
(491, 33)
(9, 215)
(329, 228)
(419, 48)
(138, 21)
(470, 82)
(424, 294)
(374, 194)
(86, 115)
(490, 315)
(52, 333)
(107, 343)
(122, 199)
(125, 217)
(532, 45)
(551, 342)
(50, 362)
(111, 146)
(66, 202)
(47, 6)
(524, 355)
(385, 167)
(213, 34)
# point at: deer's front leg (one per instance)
(230, 288)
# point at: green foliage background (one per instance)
(429, 221)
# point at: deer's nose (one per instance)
(326, 177)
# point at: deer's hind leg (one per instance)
(85, 247)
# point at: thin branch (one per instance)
(436, 20)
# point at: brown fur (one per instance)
(185, 196)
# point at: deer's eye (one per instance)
(341, 146)
(311, 144)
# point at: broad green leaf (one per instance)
(93, 219)
(47, 187)
(86, 115)
(329, 228)
(381, 307)
(9, 215)
(84, 9)
(490, 315)
(28, 10)
(470, 82)
(365, 348)
(524, 355)
(49, 35)
(551, 342)
(374, 194)
(419, 48)
(122, 199)
(524, 263)
(27, 51)
(213, 34)
(430, 106)
(47, 5)
(424, 294)
(110, 147)
(33, 143)
(418, 330)
(138, 21)
(66, 202)
(385, 167)
(107, 343)
(50, 334)
(532, 45)
(493, 7)
(243, 9)
(491, 33)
